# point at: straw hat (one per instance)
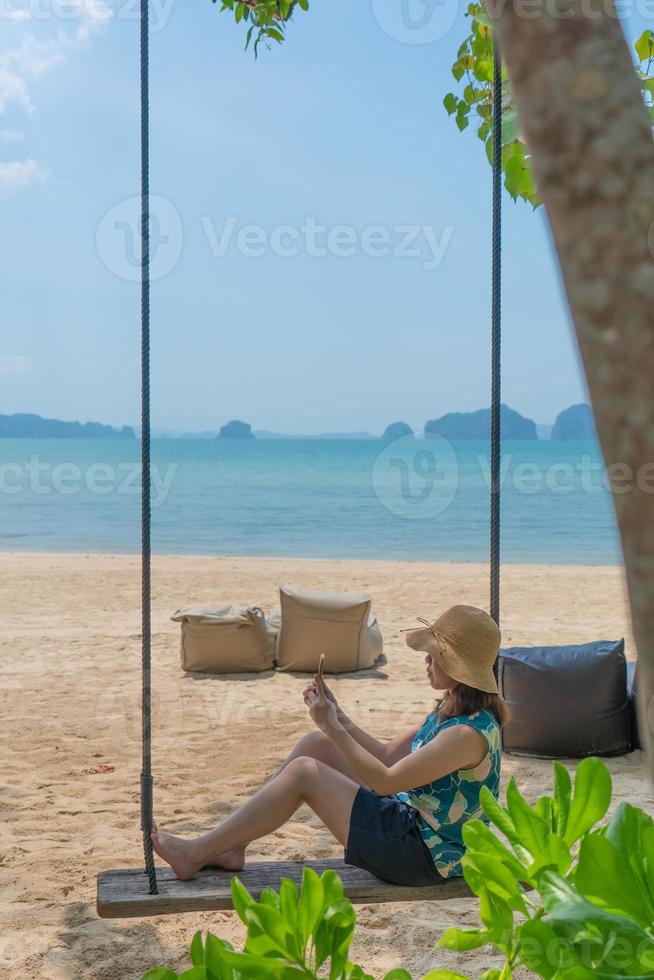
(464, 642)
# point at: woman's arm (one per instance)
(458, 747)
(386, 752)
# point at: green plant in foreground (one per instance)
(291, 933)
(559, 895)
(590, 911)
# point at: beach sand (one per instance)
(70, 707)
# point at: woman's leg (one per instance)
(317, 746)
(329, 793)
(314, 745)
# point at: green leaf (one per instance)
(496, 813)
(332, 888)
(561, 800)
(269, 897)
(645, 45)
(497, 916)
(462, 940)
(310, 905)
(543, 805)
(539, 948)
(450, 102)
(159, 973)
(273, 932)
(554, 855)
(487, 872)
(482, 17)
(590, 800)
(574, 917)
(259, 967)
(398, 975)
(478, 836)
(214, 958)
(197, 950)
(510, 126)
(630, 833)
(241, 899)
(483, 70)
(532, 831)
(342, 920)
(288, 904)
(603, 876)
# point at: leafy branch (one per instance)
(473, 69)
(266, 20)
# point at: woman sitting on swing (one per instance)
(398, 807)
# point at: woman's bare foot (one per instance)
(176, 852)
(230, 860)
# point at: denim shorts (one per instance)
(385, 839)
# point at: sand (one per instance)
(70, 709)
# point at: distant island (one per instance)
(476, 425)
(575, 423)
(23, 426)
(236, 430)
(397, 430)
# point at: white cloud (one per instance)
(11, 135)
(11, 364)
(20, 173)
(32, 43)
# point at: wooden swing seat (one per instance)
(124, 894)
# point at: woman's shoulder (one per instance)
(483, 720)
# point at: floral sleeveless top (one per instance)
(445, 806)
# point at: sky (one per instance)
(322, 229)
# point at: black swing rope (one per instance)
(146, 658)
(146, 562)
(496, 341)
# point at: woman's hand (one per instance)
(322, 706)
(329, 695)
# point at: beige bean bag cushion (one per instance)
(338, 624)
(226, 639)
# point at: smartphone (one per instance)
(321, 665)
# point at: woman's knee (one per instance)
(313, 744)
(303, 772)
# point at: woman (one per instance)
(399, 807)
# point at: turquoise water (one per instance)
(311, 498)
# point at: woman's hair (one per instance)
(464, 700)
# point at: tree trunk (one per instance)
(582, 114)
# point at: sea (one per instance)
(412, 499)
